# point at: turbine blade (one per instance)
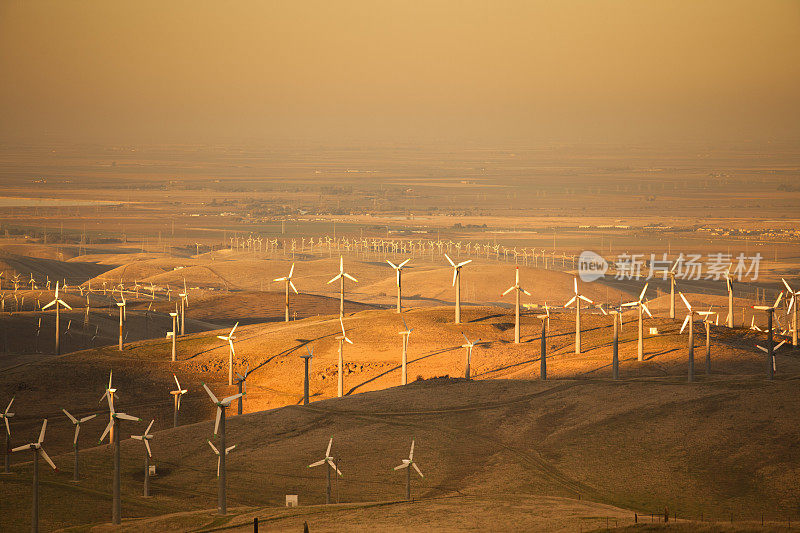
(641, 295)
(585, 299)
(41, 433)
(392, 264)
(685, 301)
(227, 401)
(337, 276)
(20, 448)
(333, 465)
(216, 422)
(449, 260)
(328, 451)
(318, 463)
(47, 458)
(72, 418)
(105, 432)
(77, 430)
(401, 265)
(411, 453)
(293, 287)
(147, 431)
(404, 465)
(417, 469)
(508, 290)
(147, 445)
(685, 321)
(351, 278)
(234, 329)
(211, 394)
(126, 416)
(646, 310)
(570, 302)
(216, 451)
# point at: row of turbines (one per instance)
(113, 432)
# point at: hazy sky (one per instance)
(486, 72)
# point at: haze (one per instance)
(396, 71)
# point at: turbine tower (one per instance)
(288, 282)
(36, 448)
(307, 360)
(340, 276)
(671, 274)
(577, 299)
(408, 464)
(399, 270)
(219, 429)
(122, 313)
(517, 290)
(58, 303)
(729, 283)
(457, 283)
(468, 346)
(689, 320)
(330, 464)
(241, 382)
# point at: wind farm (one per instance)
(459, 268)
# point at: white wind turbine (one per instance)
(770, 349)
(406, 334)
(174, 333)
(6, 415)
(342, 339)
(408, 464)
(36, 448)
(689, 320)
(219, 429)
(340, 276)
(774, 349)
(640, 306)
(288, 281)
(792, 309)
(469, 346)
(77, 422)
(184, 304)
(671, 274)
(146, 437)
(457, 283)
(517, 290)
(176, 400)
(729, 283)
(229, 338)
(228, 450)
(399, 269)
(122, 306)
(58, 303)
(113, 429)
(330, 464)
(577, 300)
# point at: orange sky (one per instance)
(485, 72)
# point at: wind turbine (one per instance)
(689, 320)
(671, 274)
(469, 346)
(792, 309)
(122, 313)
(184, 304)
(617, 316)
(231, 352)
(340, 276)
(176, 400)
(241, 381)
(775, 349)
(729, 283)
(307, 359)
(406, 334)
(228, 450)
(577, 299)
(770, 349)
(342, 339)
(399, 269)
(517, 290)
(288, 280)
(77, 422)
(640, 306)
(36, 448)
(330, 464)
(58, 303)
(173, 333)
(113, 429)
(408, 464)
(219, 429)
(6, 415)
(145, 438)
(457, 283)
(543, 349)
